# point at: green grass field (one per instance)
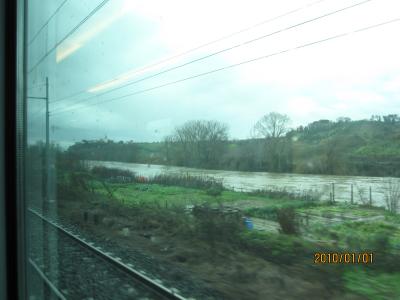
(161, 195)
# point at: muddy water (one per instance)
(248, 181)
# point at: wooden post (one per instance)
(333, 192)
(370, 196)
(351, 199)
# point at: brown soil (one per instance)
(235, 273)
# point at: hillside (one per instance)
(356, 148)
(365, 147)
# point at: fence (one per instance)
(363, 198)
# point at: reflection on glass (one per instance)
(206, 150)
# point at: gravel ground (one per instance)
(166, 274)
(37, 290)
(77, 273)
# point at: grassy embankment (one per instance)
(157, 206)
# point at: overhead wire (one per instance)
(72, 31)
(225, 50)
(47, 22)
(234, 65)
(209, 43)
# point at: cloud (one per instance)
(392, 85)
(303, 107)
(356, 98)
(160, 127)
(355, 76)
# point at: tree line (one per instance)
(205, 144)
(343, 147)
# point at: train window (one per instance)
(212, 149)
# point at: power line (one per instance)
(96, 9)
(209, 43)
(226, 49)
(237, 64)
(47, 22)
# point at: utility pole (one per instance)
(47, 118)
(47, 193)
(47, 147)
(50, 239)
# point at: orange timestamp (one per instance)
(343, 258)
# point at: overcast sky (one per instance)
(355, 76)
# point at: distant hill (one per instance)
(350, 147)
(344, 147)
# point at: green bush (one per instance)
(373, 285)
(280, 249)
(214, 191)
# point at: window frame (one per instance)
(12, 149)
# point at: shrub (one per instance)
(109, 173)
(74, 186)
(379, 242)
(268, 212)
(189, 181)
(362, 194)
(214, 225)
(152, 216)
(372, 285)
(287, 220)
(306, 195)
(276, 248)
(214, 191)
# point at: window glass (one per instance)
(213, 149)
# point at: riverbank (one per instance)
(295, 183)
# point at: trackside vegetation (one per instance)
(182, 208)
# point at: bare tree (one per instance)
(392, 194)
(272, 125)
(168, 145)
(199, 143)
